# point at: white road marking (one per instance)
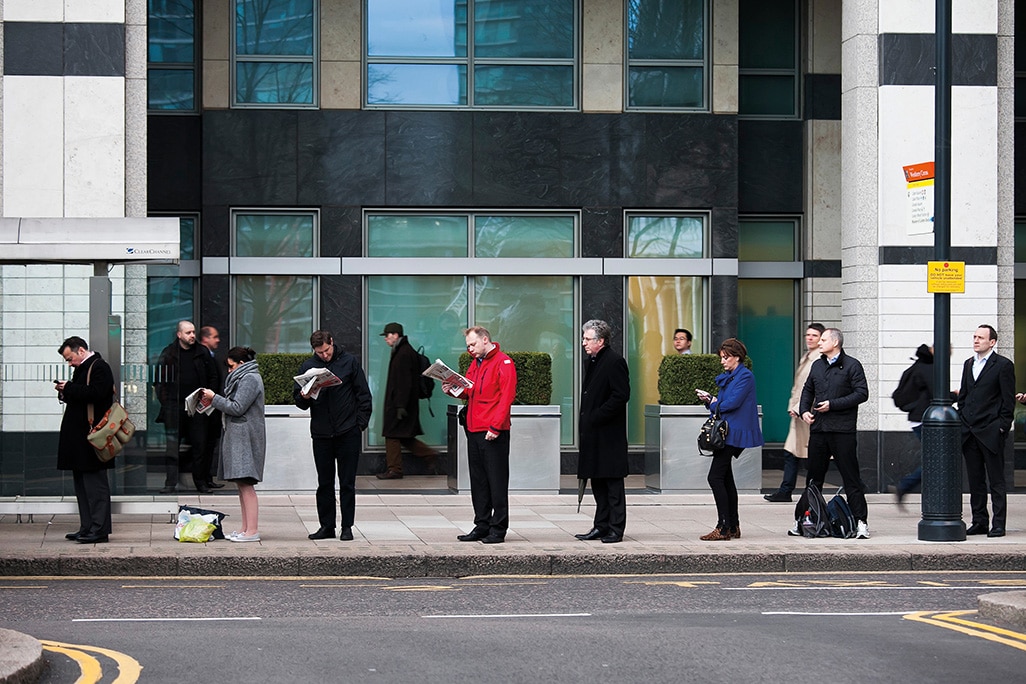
(782, 612)
(165, 619)
(510, 615)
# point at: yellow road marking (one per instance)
(172, 586)
(422, 587)
(129, 668)
(951, 620)
(932, 584)
(88, 665)
(683, 584)
(1003, 582)
(42, 586)
(777, 584)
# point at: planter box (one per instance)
(672, 462)
(533, 451)
(289, 466)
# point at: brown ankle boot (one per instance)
(735, 532)
(716, 535)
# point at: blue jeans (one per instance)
(787, 485)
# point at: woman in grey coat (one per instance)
(243, 439)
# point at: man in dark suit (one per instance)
(92, 383)
(603, 432)
(986, 404)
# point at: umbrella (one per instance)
(582, 482)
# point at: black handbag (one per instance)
(713, 435)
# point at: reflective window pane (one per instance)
(433, 313)
(274, 27)
(414, 28)
(284, 235)
(274, 313)
(766, 324)
(187, 238)
(171, 30)
(524, 28)
(1020, 244)
(665, 236)
(680, 87)
(416, 84)
(417, 236)
(767, 95)
(666, 29)
(763, 240)
(657, 305)
(524, 86)
(524, 236)
(766, 34)
(274, 82)
(171, 89)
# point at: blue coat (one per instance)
(738, 406)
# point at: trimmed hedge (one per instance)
(277, 371)
(681, 374)
(534, 376)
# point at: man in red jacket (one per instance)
(494, 379)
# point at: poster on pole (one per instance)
(919, 205)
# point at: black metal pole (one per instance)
(942, 434)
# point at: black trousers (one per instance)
(191, 431)
(488, 461)
(721, 482)
(842, 446)
(341, 453)
(982, 466)
(610, 504)
(92, 489)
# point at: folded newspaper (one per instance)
(195, 403)
(315, 379)
(439, 371)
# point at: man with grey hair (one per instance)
(830, 405)
(602, 432)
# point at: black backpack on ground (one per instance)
(816, 521)
(842, 521)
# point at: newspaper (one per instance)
(315, 379)
(195, 403)
(439, 371)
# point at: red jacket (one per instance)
(495, 386)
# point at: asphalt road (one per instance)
(836, 627)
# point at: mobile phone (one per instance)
(56, 381)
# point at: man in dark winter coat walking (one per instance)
(401, 422)
(603, 432)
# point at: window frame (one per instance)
(312, 59)
(795, 72)
(705, 64)
(195, 66)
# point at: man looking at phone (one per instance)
(830, 405)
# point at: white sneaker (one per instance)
(862, 532)
(795, 531)
(239, 537)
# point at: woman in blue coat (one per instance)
(737, 405)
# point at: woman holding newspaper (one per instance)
(243, 439)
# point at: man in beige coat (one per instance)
(797, 443)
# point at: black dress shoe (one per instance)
(612, 538)
(73, 536)
(215, 485)
(778, 497)
(95, 538)
(594, 534)
(347, 534)
(473, 535)
(996, 532)
(203, 488)
(322, 533)
(977, 528)
(168, 490)
(493, 539)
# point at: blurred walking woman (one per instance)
(243, 440)
(737, 404)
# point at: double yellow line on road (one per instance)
(953, 620)
(129, 668)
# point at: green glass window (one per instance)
(517, 53)
(1020, 242)
(406, 235)
(665, 236)
(171, 54)
(666, 54)
(767, 240)
(768, 58)
(766, 323)
(275, 46)
(274, 313)
(187, 238)
(524, 236)
(274, 235)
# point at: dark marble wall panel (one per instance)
(516, 159)
(215, 231)
(602, 232)
(722, 309)
(823, 268)
(822, 95)
(628, 170)
(602, 297)
(770, 170)
(341, 231)
(691, 161)
(33, 49)
(174, 163)
(904, 255)
(1020, 168)
(94, 49)
(341, 311)
(911, 58)
(250, 158)
(341, 157)
(869, 460)
(428, 158)
(215, 303)
(584, 160)
(724, 233)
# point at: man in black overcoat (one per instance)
(74, 453)
(602, 432)
(986, 406)
(401, 422)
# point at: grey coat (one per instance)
(243, 439)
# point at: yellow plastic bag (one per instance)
(196, 530)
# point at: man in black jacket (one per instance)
(74, 452)
(338, 414)
(986, 406)
(602, 432)
(913, 395)
(401, 422)
(184, 367)
(830, 405)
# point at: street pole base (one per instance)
(941, 530)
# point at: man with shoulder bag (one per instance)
(92, 383)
